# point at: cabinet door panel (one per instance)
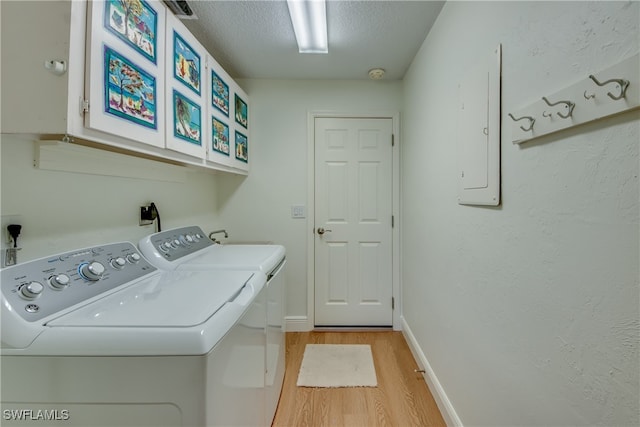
(220, 148)
(228, 107)
(186, 125)
(241, 135)
(125, 75)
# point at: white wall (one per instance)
(527, 313)
(61, 211)
(259, 206)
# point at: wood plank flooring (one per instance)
(401, 398)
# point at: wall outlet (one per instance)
(146, 216)
(5, 220)
(298, 211)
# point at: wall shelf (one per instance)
(68, 157)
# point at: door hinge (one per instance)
(84, 106)
(393, 140)
(393, 303)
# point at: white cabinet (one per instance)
(125, 70)
(34, 100)
(241, 131)
(186, 97)
(119, 89)
(228, 109)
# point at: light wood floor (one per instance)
(401, 398)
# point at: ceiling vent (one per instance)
(181, 9)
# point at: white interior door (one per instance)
(353, 222)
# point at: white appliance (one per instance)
(99, 337)
(185, 249)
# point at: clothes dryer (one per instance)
(188, 249)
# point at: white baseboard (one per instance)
(297, 324)
(446, 408)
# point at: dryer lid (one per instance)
(263, 258)
(168, 300)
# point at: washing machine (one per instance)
(187, 249)
(101, 337)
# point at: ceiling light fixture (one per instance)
(309, 18)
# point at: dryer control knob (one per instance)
(59, 281)
(31, 290)
(92, 271)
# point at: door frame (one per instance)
(395, 232)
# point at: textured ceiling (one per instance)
(255, 39)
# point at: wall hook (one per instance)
(570, 106)
(587, 97)
(545, 114)
(531, 121)
(624, 84)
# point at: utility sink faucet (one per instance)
(226, 235)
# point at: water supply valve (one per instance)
(11, 254)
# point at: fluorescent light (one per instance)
(309, 18)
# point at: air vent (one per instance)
(181, 9)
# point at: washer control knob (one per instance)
(118, 263)
(92, 271)
(59, 281)
(167, 245)
(176, 243)
(190, 238)
(31, 290)
(133, 258)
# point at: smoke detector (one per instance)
(376, 73)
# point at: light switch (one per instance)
(298, 211)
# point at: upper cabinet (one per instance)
(125, 70)
(227, 119)
(126, 75)
(186, 105)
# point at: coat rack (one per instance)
(608, 92)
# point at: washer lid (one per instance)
(172, 299)
(263, 258)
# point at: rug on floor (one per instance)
(337, 365)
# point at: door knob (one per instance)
(321, 231)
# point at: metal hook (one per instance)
(624, 84)
(545, 114)
(587, 97)
(531, 121)
(570, 105)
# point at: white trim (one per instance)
(396, 285)
(444, 404)
(297, 324)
